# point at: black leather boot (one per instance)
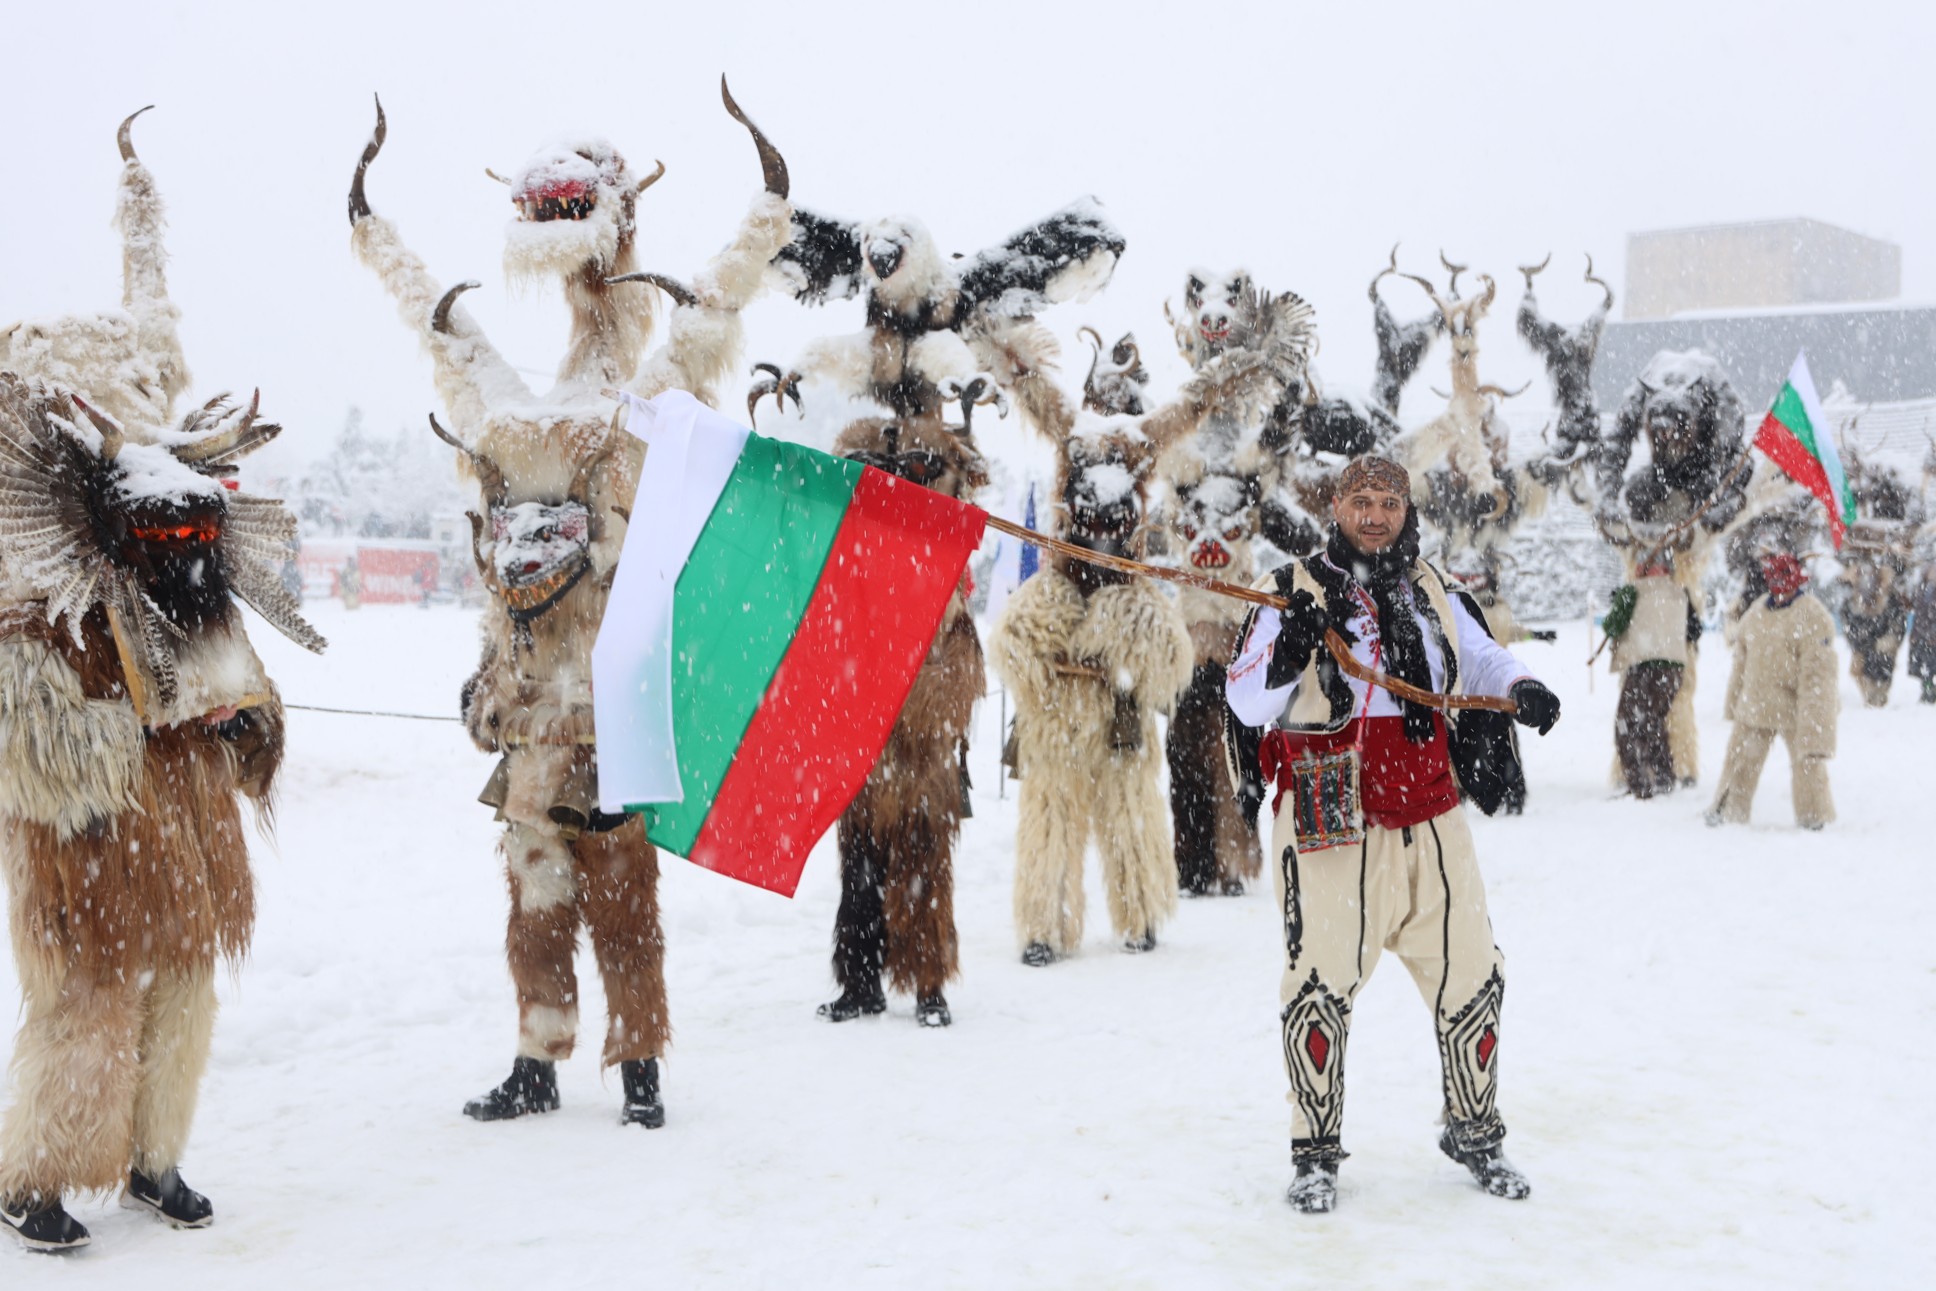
(854, 1001)
(531, 1087)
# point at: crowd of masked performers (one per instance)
(1370, 698)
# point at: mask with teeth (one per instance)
(574, 211)
(540, 551)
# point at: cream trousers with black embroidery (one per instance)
(1415, 892)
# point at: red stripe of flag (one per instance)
(827, 713)
(1802, 466)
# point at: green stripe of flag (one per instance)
(739, 598)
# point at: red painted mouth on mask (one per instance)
(1209, 555)
(564, 199)
(1217, 333)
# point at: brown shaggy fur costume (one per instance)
(117, 920)
(897, 839)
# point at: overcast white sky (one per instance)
(1300, 140)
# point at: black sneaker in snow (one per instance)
(642, 1105)
(48, 1228)
(1038, 955)
(1314, 1189)
(1489, 1167)
(167, 1197)
(932, 1011)
(531, 1087)
(854, 1002)
(1140, 945)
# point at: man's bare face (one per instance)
(1370, 519)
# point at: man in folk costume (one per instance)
(1653, 627)
(1784, 683)
(1371, 847)
(133, 717)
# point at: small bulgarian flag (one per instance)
(1796, 436)
(771, 608)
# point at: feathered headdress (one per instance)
(88, 517)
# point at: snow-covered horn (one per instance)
(125, 137)
(1601, 283)
(359, 205)
(1492, 292)
(658, 173)
(1530, 269)
(680, 293)
(440, 316)
(112, 437)
(1386, 272)
(772, 165)
(1090, 334)
(499, 178)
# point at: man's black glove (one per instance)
(1542, 634)
(1301, 628)
(1538, 706)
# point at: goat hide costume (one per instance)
(1229, 485)
(1090, 654)
(132, 713)
(1668, 514)
(1876, 560)
(1783, 684)
(556, 482)
(897, 838)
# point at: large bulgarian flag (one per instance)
(1797, 436)
(770, 610)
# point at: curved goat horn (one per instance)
(772, 165)
(1387, 271)
(112, 436)
(1125, 354)
(499, 178)
(125, 138)
(1504, 393)
(437, 429)
(680, 293)
(1086, 332)
(1455, 270)
(1530, 269)
(1601, 283)
(440, 316)
(1445, 310)
(658, 173)
(360, 205)
(1492, 292)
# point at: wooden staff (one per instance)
(1346, 661)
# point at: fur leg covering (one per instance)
(539, 943)
(1215, 842)
(75, 1072)
(1640, 728)
(1051, 834)
(1741, 772)
(923, 954)
(618, 873)
(1133, 835)
(1683, 733)
(175, 1038)
(860, 925)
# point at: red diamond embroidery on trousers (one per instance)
(1487, 1043)
(1318, 1047)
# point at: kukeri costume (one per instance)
(556, 483)
(1653, 627)
(1370, 849)
(133, 715)
(1784, 683)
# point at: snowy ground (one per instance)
(1717, 1054)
